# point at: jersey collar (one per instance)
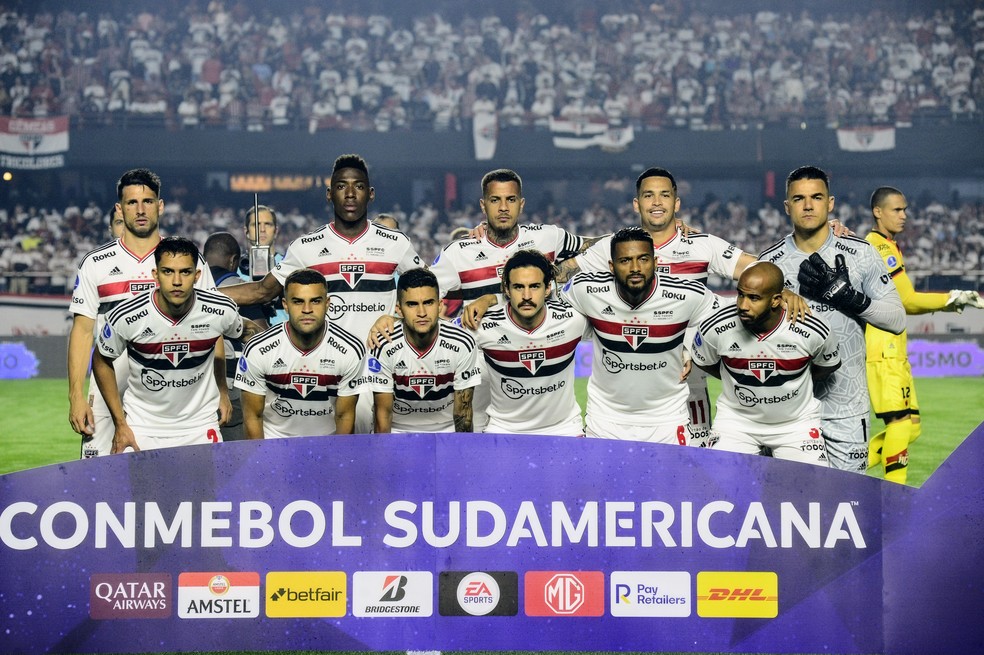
(331, 226)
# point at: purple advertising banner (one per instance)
(491, 542)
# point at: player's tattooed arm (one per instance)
(250, 329)
(587, 242)
(565, 270)
(473, 312)
(380, 332)
(463, 410)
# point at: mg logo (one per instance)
(564, 594)
(761, 368)
(635, 334)
(532, 359)
(303, 384)
(352, 273)
(175, 352)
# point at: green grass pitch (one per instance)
(35, 432)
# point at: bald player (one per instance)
(767, 367)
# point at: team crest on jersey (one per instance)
(175, 352)
(303, 384)
(139, 286)
(422, 384)
(352, 273)
(761, 368)
(663, 269)
(499, 269)
(532, 359)
(635, 334)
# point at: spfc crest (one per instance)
(532, 359)
(422, 384)
(175, 352)
(352, 273)
(303, 384)
(761, 368)
(635, 334)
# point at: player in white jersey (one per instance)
(302, 377)
(690, 256)
(767, 366)
(107, 276)
(424, 379)
(359, 260)
(176, 391)
(529, 346)
(637, 389)
(470, 269)
(855, 292)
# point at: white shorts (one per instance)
(699, 408)
(101, 441)
(800, 441)
(671, 433)
(151, 439)
(572, 428)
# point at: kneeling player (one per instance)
(424, 378)
(767, 366)
(175, 385)
(303, 377)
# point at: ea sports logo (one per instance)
(478, 593)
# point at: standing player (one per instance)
(637, 390)
(176, 385)
(302, 377)
(529, 347)
(424, 378)
(107, 276)
(767, 366)
(470, 269)
(893, 391)
(689, 257)
(846, 297)
(359, 260)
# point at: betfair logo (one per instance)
(738, 594)
(292, 594)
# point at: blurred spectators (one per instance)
(247, 65)
(942, 243)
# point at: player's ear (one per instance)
(481, 204)
(522, 203)
(372, 194)
(198, 274)
(830, 203)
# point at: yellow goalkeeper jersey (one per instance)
(885, 345)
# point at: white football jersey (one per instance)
(766, 380)
(106, 277)
(531, 373)
(475, 265)
(423, 383)
(845, 393)
(301, 387)
(361, 272)
(689, 258)
(171, 383)
(637, 358)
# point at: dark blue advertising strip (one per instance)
(467, 542)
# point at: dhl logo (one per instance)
(738, 594)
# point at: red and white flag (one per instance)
(33, 143)
(866, 139)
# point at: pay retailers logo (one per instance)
(650, 593)
(307, 594)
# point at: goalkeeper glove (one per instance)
(960, 299)
(831, 285)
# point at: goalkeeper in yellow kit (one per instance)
(890, 384)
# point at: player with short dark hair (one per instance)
(358, 259)
(637, 389)
(767, 366)
(529, 346)
(108, 275)
(303, 377)
(423, 380)
(890, 383)
(176, 393)
(845, 280)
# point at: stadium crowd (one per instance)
(52, 240)
(245, 65)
